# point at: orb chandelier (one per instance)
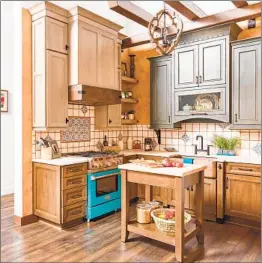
(164, 22)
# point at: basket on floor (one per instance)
(167, 225)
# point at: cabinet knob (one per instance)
(227, 183)
(66, 120)
(200, 79)
(235, 117)
(197, 79)
(169, 119)
(109, 121)
(66, 47)
(219, 166)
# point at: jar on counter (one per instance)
(143, 211)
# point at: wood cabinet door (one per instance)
(47, 192)
(87, 54)
(114, 115)
(161, 93)
(56, 89)
(212, 63)
(108, 61)
(243, 197)
(56, 35)
(247, 85)
(186, 67)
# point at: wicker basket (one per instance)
(167, 225)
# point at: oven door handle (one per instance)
(93, 178)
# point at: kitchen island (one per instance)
(171, 178)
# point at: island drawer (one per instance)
(75, 169)
(74, 211)
(243, 169)
(74, 195)
(73, 181)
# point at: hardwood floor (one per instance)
(100, 242)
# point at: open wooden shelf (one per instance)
(129, 100)
(129, 80)
(129, 122)
(151, 231)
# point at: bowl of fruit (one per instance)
(165, 219)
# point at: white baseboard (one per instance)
(7, 191)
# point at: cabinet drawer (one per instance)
(73, 181)
(76, 169)
(243, 169)
(73, 212)
(74, 195)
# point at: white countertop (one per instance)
(63, 160)
(171, 171)
(149, 153)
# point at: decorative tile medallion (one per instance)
(257, 149)
(223, 125)
(185, 138)
(78, 130)
(84, 109)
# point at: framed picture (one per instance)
(123, 69)
(55, 150)
(4, 100)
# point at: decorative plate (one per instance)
(207, 102)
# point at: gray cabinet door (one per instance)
(186, 67)
(212, 63)
(160, 92)
(247, 85)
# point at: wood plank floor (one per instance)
(100, 242)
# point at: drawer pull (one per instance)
(76, 196)
(74, 170)
(245, 169)
(227, 183)
(75, 182)
(76, 212)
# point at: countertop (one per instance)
(170, 171)
(63, 160)
(150, 153)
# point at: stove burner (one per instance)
(92, 154)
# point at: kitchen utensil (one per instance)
(143, 213)
(187, 107)
(137, 144)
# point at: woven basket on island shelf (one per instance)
(167, 225)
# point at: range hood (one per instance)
(92, 96)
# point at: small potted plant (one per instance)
(131, 115)
(226, 146)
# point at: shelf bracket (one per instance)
(158, 134)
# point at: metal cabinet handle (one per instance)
(109, 121)
(200, 79)
(66, 47)
(235, 117)
(76, 212)
(75, 182)
(220, 166)
(76, 196)
(197, 80)
(74, 170)
(93, 178)
(169, 119)
(227, 183)
(245, 169)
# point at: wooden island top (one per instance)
(175, 179)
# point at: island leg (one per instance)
(148, 193)
(124, 206)
(180, 227)
(199, 207)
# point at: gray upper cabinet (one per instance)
(160, 92)
(212, 63)
(246, 82)
(202, 64)
(186, 67)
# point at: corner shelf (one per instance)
(129, 122)
(129, 100)
(129, 80)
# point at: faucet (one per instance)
(201, 146)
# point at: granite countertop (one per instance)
(170, 171)
(63, 160)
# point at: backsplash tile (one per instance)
(251, 140)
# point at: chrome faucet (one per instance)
(201, 146)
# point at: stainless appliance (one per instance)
(103, 183)
(148, 144)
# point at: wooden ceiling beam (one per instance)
(131, 11)
(239, 4)
(188, 9)
(230, 16)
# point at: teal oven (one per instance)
(104, 193)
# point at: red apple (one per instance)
(179, 164)
(166, 163)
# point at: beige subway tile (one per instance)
(196, 127)
(245, 144)
(38, 155)
(203, 127)
(244, 136)
(254, 136)
(189, 127)
(211, 127)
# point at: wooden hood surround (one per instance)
(199, 20)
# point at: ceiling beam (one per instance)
(188, 9)
(239, 4)
(230, 16)
(131, 11)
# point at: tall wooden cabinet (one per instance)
(50, 66)
(246, 83)
(161, 92)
